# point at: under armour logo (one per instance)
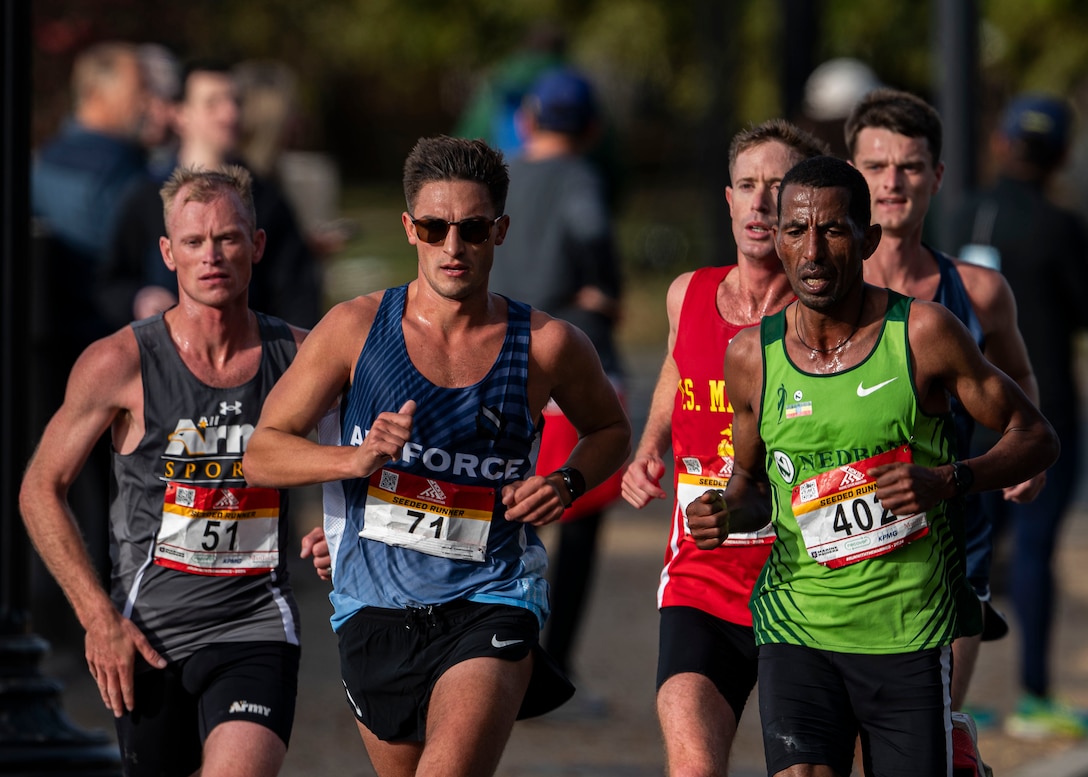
(230, 407)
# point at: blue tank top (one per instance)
(953, 295)
(481, 435)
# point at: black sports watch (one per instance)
(963, 476)
(574, 480)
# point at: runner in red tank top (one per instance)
(707, 655)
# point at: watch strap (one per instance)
(574, 480)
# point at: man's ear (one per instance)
(167, 254)
(260, 241)
(872, 239)
(500, 229)
(406, 221)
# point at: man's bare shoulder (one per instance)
(345, 318)
(985, 287)
(674, 298)
(745, 345)
(549, 332)
(679, 284)
(929, 321)
(298, 333)
(108, 370)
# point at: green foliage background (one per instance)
(678, 78)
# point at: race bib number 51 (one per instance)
(219, 531)
(841, 520)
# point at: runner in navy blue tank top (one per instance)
(895, 140)
(429, 397)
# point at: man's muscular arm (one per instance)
(565, 366)
(641, 481)
(101, 383)
(947, 360)
(1004, 347)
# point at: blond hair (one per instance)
(206, 186)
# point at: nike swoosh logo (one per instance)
(501, 643)
(864, 392)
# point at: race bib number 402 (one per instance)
(219, 531)
(841, 520)
(431, 516)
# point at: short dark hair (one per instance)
(214, 66)
(828, 172)
(779, 131)
(443, 158)
(901, 112)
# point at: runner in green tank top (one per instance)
(843, 439)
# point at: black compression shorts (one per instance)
(177, 707)
(690, 640)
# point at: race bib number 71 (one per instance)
(841, 520)
(430, 516)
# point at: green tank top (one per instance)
(821, 433)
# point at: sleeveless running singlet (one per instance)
(844, 575)
(718, 582)
(430, 528)
(199, 557)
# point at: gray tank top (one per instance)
(198, 556)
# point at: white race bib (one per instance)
(696, 474)
(842, 522)
(219, 531)
(431, 516)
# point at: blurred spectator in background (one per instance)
(270, 129)
(560, 257)
(78, 182)
(81, 177)
(287, 283)
(490, 114)
(1042, 250)
(163, 73)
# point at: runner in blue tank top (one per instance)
(895, 140)
(437, 390)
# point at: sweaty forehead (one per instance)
(804, 202)
(884, 143)
(194, 209)
(453, 200)
(770, 160)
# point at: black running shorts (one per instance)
(390, 660)
(814, 704)
(690, 640)
(177, 707)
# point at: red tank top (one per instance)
(720, 581)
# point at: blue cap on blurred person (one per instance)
(1039, 119)
(562, 101)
